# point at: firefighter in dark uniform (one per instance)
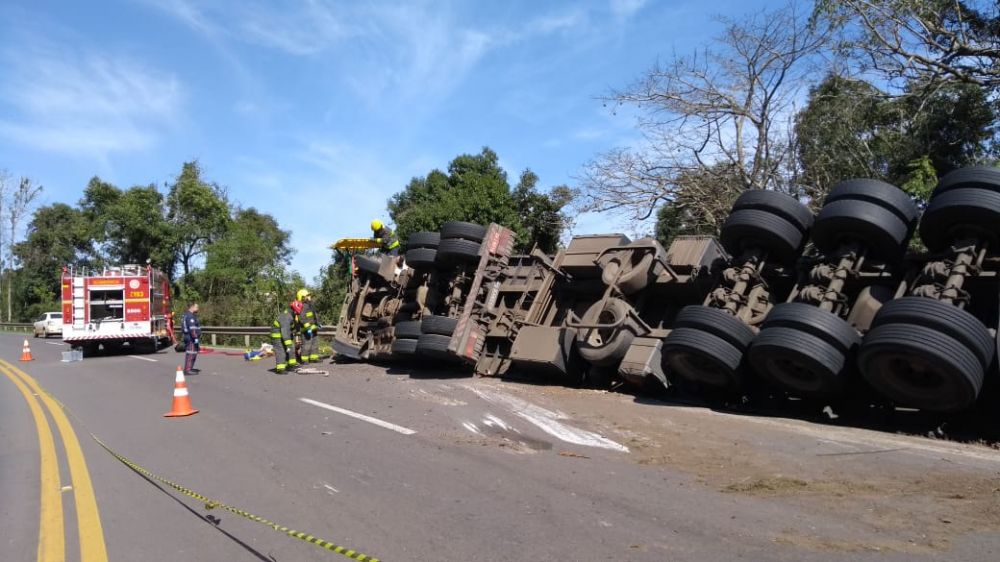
(283, 338)
(388, 243)
(191, 331)
(310, 325)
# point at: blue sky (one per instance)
(318, 111)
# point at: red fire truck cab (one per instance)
(116, 305)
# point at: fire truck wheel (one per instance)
(921, 367)
(404, 347)
(868, 224)
(367, 264)
(702, 357)
(973, 177)
(441, 325)
(785, 206)
(798, 362)
(961, 213)
(454, 250)
(879, 192)
(421, 258)
(422, 240)
(463, 230)
(753, 228)
(408, 329)
(433, 345)
(605, 346)
(942, 317)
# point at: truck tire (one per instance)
(921, 367)
(798, 362)
(874, 227)
(941, 317)
(440, 325)
(958, 213)
(605, 346)
(455, 250)
(404, 347)
(752, 228)
(717, 322)
(702, 357)
(972, 177)
(776, 203)
(421, 258)
(367, 264)
(407, 329)
(458, 230)
(879, 192)
(816, 321)
(422, 240)
(433, 345)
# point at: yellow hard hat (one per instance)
(376, 225)
(303, 293)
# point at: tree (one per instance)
(475, 189)
(21, 200)
(920, 41)
(721, 113)
(198, 214)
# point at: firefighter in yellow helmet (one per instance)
(388, 243)
(283, 338)
(309, 322)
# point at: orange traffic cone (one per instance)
(182, 403)
(26, 352)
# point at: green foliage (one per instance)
(475, 189)
(198, 213)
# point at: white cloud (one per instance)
(624, 9)
(85, 103)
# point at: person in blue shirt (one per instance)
(191, 330)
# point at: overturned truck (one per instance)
(809, 306)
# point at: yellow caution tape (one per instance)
(212, 504)
(355, 244)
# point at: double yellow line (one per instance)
(51, 533)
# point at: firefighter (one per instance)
(309, 322)
(388, 243)
(191, 330)
(283, 338)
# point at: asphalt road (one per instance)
(442, 468)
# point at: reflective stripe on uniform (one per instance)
(289, 342)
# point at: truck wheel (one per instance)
(957, 213)
(441, 325)
(367, 264)
(717, 322)
(776, 203)
(408, 329)
(455, 250)
(972, 177)
(404, 347)
(433, 345)
(422, 240)
(798, 362)
(701, 357)
(942, 317)
(753, 228)
(605, 346)
(463, 230)
(421, 258)
(879, 192)
(876, 228)
(804, 349)
(921, 367)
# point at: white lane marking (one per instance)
(53, 343)
(362, 417)
(143, 358)
(546, 420)
(470, 426)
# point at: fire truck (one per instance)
(116, 306)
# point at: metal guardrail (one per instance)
(212, 331)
